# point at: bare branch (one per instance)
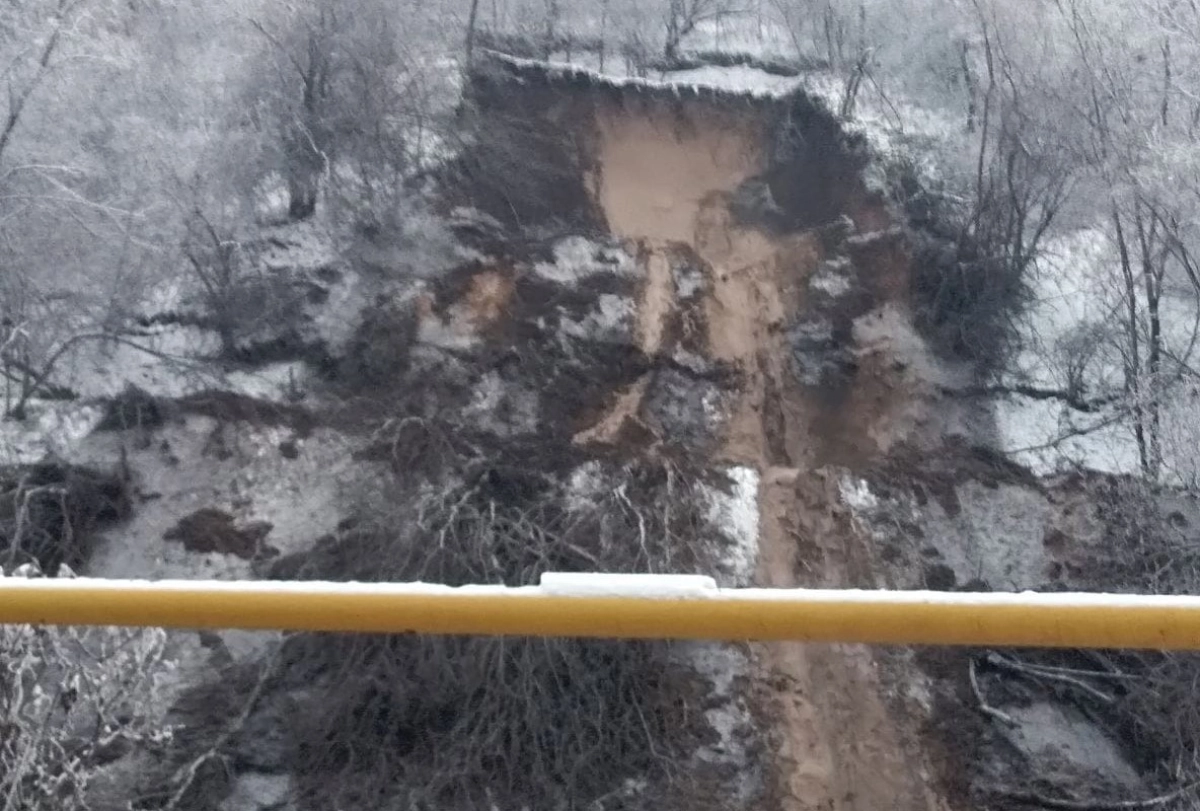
(981, 702)
(1060, 804)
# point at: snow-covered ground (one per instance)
(171, 360)
(51, 429)
(1077, 312)
(736, 515)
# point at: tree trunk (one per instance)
(302, 193)
(971, 85)
(1133, 362)
(1152, 273)
(472, 16)
(603, 31)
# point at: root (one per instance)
(984, 707)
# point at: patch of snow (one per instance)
(995, 535)
(166, 297)
(895, 127)
(427, 148)
(996, 538)
(727, 713)
(502, 408)
(466, 217)
(765, 88)
(271, 199)
(585, 485)
(254, 791)
(689, 281)
(437, 333)
(486, 397)
(1048, 438)
(713, 404)
(868, 237)
(614, 65)
(754, 33)
(337, 319)
(162, 362)
(1075, 293)
(736, 78)
(417, 244)
(694, 363)
(598, 584)
(856, 494)
(51, 429)
(736, 517)
(170, 363)
(236, 467)
(611, 321)
(276, 382)
(832, 278)
(576, 258)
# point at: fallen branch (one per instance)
(984, 707)
(1050, 674)
(185, 776)
(1106, 422)
(1087, 406)
(1062, 804)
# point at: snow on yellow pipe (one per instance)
(618, 606)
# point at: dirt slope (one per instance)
(668, 186)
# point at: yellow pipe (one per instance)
(690, 608)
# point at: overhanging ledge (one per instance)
(620, 607)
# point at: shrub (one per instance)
(73, 700)
(48, 512)
(970, 271)
(425, 722)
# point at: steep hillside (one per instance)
(763, 252)
(648, 327)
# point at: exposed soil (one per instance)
(840, 745)
(211, 530)
(668, 180)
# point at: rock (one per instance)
(1073, 749)
(259, 792)
(818, 356)
(753, 203)
(263, 744)
(939, 577)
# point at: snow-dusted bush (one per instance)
(1147, 698)
(73, 700)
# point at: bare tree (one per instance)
(682, 17)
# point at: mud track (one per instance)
(838, 744)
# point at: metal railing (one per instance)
(618, 606)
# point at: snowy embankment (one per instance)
(170, 363)
(168, 353)
(1074, 329)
